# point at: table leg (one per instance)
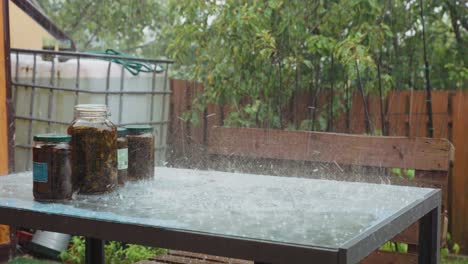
(94, 251)
(429, 238)
(13, 242)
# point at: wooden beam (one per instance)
(388, 152)
(390, 257)
(5, 114)
(459, 178)
(176, 256)
(3, 98)
(409, 236)
(4, 234)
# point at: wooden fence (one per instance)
(404, 114)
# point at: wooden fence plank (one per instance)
(459, 179)
(397, 113)
(416, 153)
(197, 129)
(435, 179)
(213, 117)
(339, 123)
(358, 120)
(374, 113)
(321, 111)
(178, 127)
(440, 113)
(417, 119)
(301, 107)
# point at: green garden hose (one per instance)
(134, 67)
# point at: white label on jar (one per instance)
(122, 159)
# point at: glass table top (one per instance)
(281, 209)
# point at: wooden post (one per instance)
(5, 95)
(3, 98)
(459, 179)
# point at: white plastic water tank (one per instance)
(94, 75)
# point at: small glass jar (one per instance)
(140, 152)
(64, 45)
(94, 150)
(52, 173)
(122, 155)
(48, 45)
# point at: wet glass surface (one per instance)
(282, 209)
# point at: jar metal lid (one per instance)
(52, 137)
(122, 131)
(139, 129)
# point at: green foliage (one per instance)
(310, 124)
(129, 26)
(404, 173)
(76, 251)
(257, 55)
(115, 252)
(391, 246)
(451, 260)
(452, 247)
(456, 248)
(23, 260)
(270, 50)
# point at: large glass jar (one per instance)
(94, 150)
(122, 155)
(52, 167)
(140, 152)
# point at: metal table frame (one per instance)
(427, 211)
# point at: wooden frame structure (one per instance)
(6, 113)
(430, 158)
(6, 116)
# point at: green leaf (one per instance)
(308, 63)
(396, 171)
(456, 248)
(444, 252)
(410, 173)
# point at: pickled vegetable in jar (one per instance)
(122, 155)
(140, 152)
(52, 173)
(94, 150)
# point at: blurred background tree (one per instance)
(256, 56)
(129, 26)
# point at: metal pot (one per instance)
(49, 243)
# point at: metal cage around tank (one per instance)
(47, 84)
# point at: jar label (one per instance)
(122, 159)
(40, 172)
